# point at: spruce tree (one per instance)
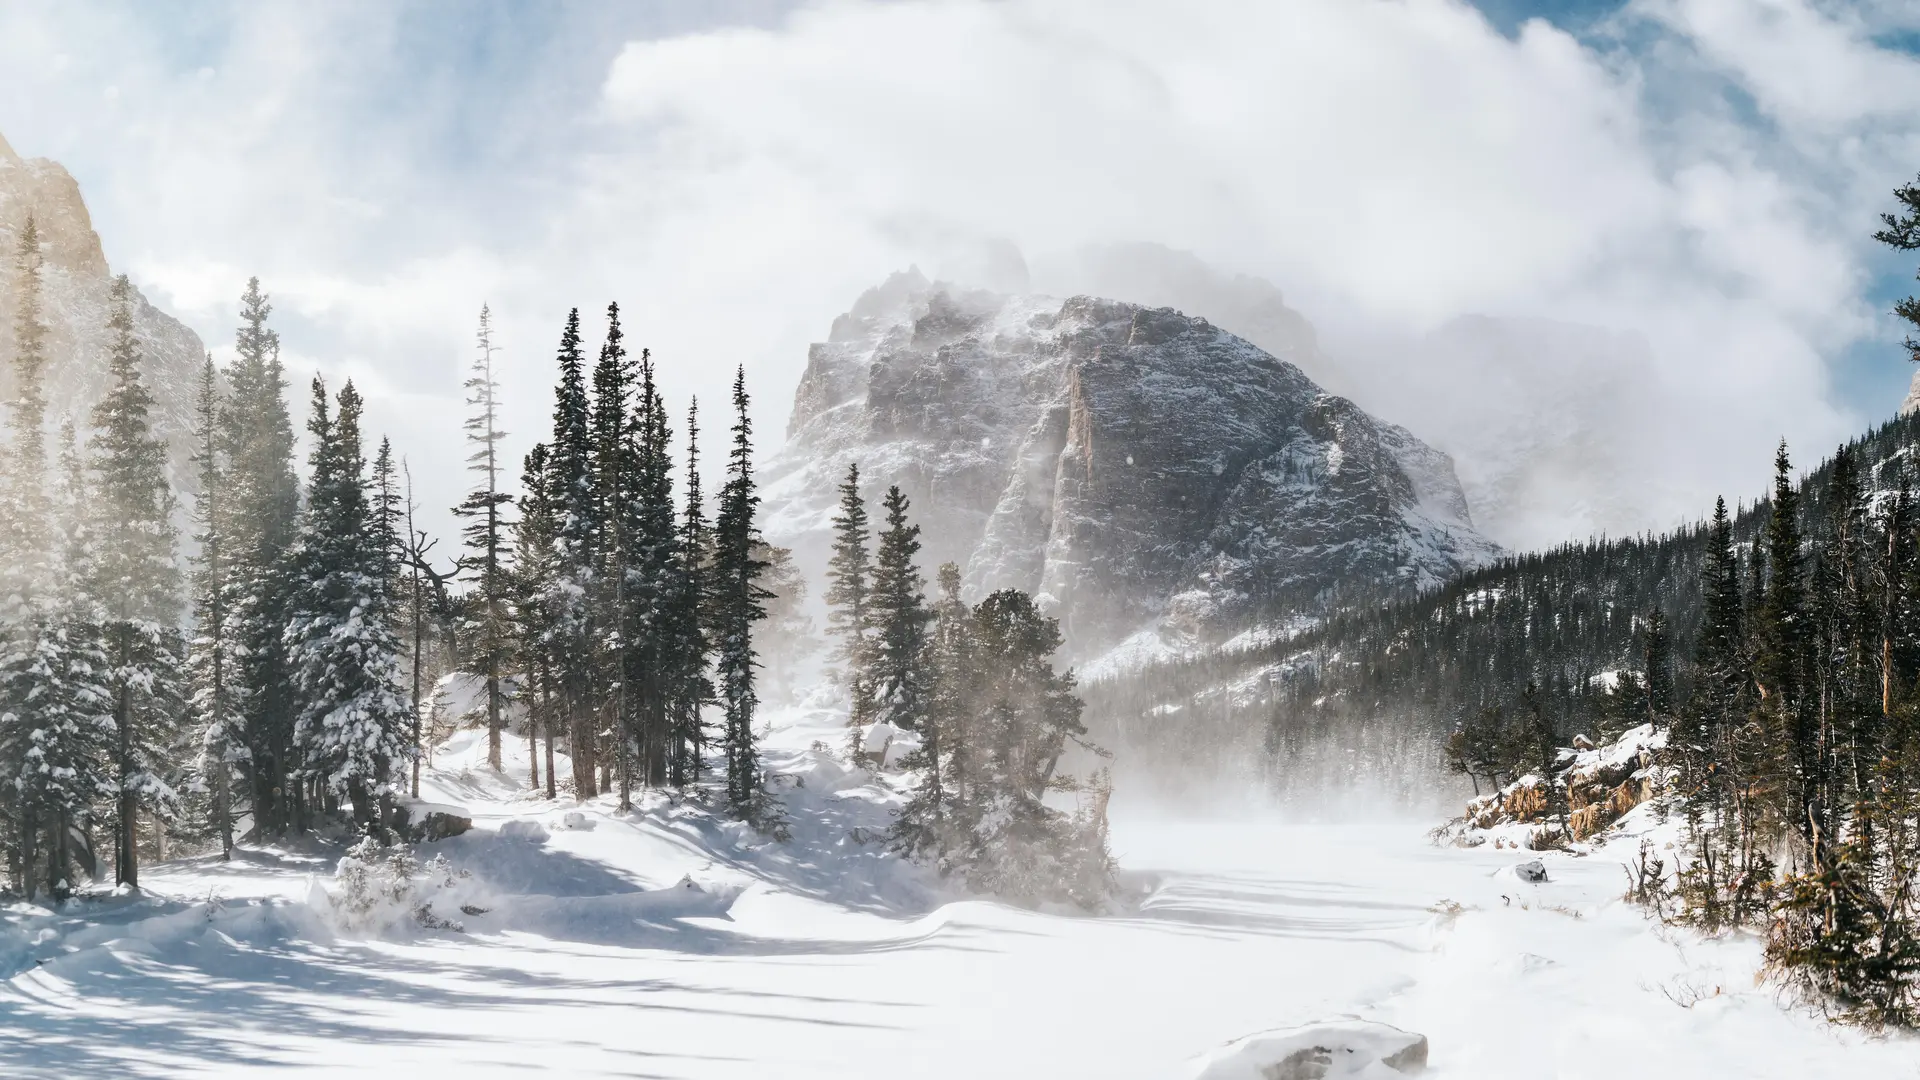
(486, 531)
(136, 583)
(849, 574)
(692, 689)
(74, 746)
(263, 500)
(533, 543)
(613, 481)
(898, 611)
(352, 729)
(26, 564)
(738, 603)
(573, 585)
(210, 653)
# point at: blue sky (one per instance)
(1700, 173)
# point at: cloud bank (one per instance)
(1699, 176)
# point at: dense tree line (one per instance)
(973, 689)
(279, 686)
(1776, 647)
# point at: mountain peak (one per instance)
(1138, 469)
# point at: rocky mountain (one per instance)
(75, 284)
(1154, 479)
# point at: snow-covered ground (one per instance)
(836, 961)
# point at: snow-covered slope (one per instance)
(75, 284)
(823, 957)
(1133, 467)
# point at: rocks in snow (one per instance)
(524, 829)
(1532, 871)
(1340, 1050)
(888, 745)
(422, 822)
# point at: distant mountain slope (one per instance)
(1404, 674)
(76, 280)
(1144, 472)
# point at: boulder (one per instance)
(524, 829)
(1339, 1050)
(422, 822)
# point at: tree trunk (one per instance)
(128, 872)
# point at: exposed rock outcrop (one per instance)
(1136, 468)
(76, 280)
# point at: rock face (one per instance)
(1137, 469)
(75, 282)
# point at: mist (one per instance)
(1389, 168)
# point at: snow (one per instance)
(671, 943)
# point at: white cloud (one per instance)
(1391, 164)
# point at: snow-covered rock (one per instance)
(1131, 466)
(524, 829)
(887, 744)
(1356, 1049)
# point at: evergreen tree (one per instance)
(26, 566)
(533, 542)
(211, 652)
(352, 729)
(1656, 656)
(486, 531)
(692, 689)
(930, 822)
(136, 586)
(262, 498)
(572, 586)
(898, 611)
(613, 479)
(849, 573)
(738, 603)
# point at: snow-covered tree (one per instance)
(261, 521)
(134, 578)
(352, 728)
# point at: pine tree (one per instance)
(692, 689)
(898, 611)
(26, 565)
(352, 729)
(933, 818)
(1784, 633)
(738, 603)
(211, 651)
(849, 573)
(1656, 658)
(573, 584)
(533, 543)
(263, 501)
(73, 734)
(612, 471)
(136, 585)
(654, 599)
(486, 531)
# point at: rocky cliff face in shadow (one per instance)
(75, 283)
(1150, 476)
